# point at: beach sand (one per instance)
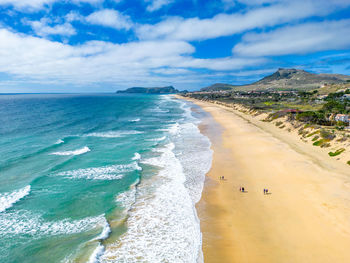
(306, 218)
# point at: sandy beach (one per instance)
(306, 216)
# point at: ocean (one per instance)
(100, 178)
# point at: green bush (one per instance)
(315, 138)
(323, 143)
(337, 152)
(348, 162)
(327, 134)
(313, 133)
(279, 123)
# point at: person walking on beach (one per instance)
(243, 189)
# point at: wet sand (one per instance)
(306, 216)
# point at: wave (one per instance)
(95, 256)
(26, 223)
(152, 235)
(127, 199)
(111, 134)
(59, 141)
(135, 120)
(7, 200)
(113, 172)
(137, 156)
(75, 152)
(157, 139)
(162, 226)
(105, 232)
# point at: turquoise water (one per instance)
(100, 178)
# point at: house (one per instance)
(346, 96)
(342, 117)
(321, 97)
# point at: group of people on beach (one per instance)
(241, 189)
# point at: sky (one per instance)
(108, 45)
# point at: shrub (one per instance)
(279, 123)
(337, 152)
(322, 143)
(327, 135)
(315, 138)
(313, 133)
(348, 162)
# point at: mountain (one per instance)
(154, 90)
(217, 87)
(286, 79)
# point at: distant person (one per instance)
(240, 189)
(264, 191)
(267, 191)
(243, 189)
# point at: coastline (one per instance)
(304, 219)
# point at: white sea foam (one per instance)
(135, 120)
(59, 141)
(95, 256)
(112, 134)
(127, 198)
(162, 226)
(113, 172)
(24, 222)
(7, 200)
(105, 232)
(157, 139)
(137, 156)
(75, 152)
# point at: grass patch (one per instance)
(348, 162)
(327, 134)
(279, 123)
(322, 143)
(315, 138)
(337, 152)
(313, 133)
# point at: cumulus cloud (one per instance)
(110, 18)
(299, 39)
(155, 5)
(39, 59)
(42, 28)
(27, 4)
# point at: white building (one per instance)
(342, 117)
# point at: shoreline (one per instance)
(304, 219)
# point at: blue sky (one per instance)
(106, 45)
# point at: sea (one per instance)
(100, 178)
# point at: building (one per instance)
(342, 117)
(346, 96)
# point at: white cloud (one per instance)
(110, 18)
(42, 28)
(299, 39)
(225, 24)
(278, 12)
(33, 5)
(27, 4)
(44, 61)
(157, 4)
